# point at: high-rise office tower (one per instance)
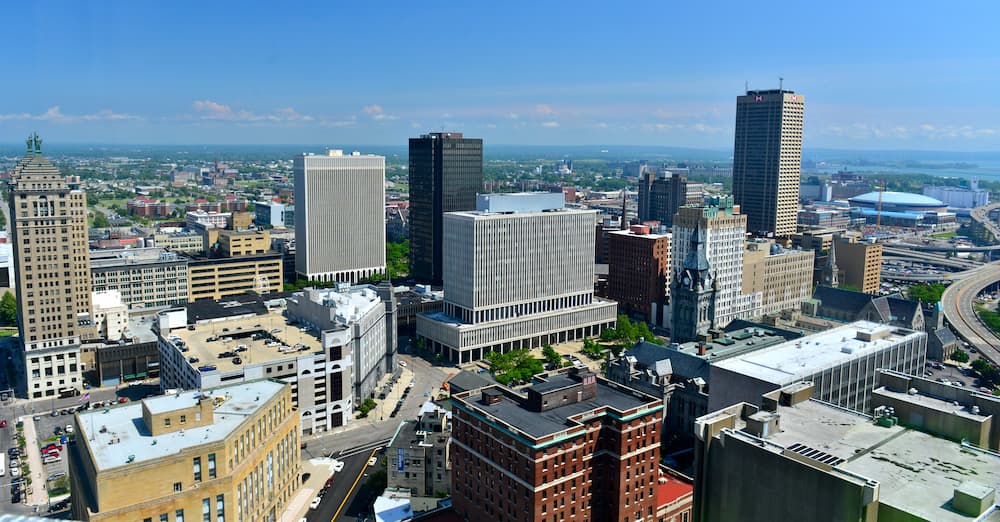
(48, 213)
(706, 258)
(339, 216)
(518, 273)
(767, 159)
(446, 173)
(662, 193)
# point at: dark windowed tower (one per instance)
(446, 173)
(767, 160)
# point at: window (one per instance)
(211, 465)
(183, 419)
(220, 508)
(197, 469)
(206, 510)
(177, 486)
(166, 422)
(163, 517)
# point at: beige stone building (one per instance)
(223, 454)
(783, 277)
(217, 278)
(48, 213)
(860, 263)
(185, 241)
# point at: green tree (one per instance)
(960, 356)
(515, 366)
(8, 309)
(100, 220)
(926, 293)
(591, 349)
(552, 357)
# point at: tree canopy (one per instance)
(926, 293)
(515, 366)
(8, 309)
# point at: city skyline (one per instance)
(544, 75)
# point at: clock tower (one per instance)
(693, 292)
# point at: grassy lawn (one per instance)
(945, 235)
(989, 318)
(8, 332)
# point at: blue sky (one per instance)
(893, 75)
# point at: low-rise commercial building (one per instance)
(573, 446)
(221, 277)
(230, 453)
(680, 373)
(269, 213)
(842, 362)
(208, 343)
(798, 458)
(180, 241)
(419, 457)
(144, 277)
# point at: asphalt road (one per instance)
(958, 306)
(428, 381)
(347, 497)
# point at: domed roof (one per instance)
(900, 199)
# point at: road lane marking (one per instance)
(351, 491)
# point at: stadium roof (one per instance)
(898, 199)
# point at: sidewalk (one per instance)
(319, 470)
(37, 496)
(380, 413)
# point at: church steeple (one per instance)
(830, 271)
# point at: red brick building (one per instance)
(674, 497)
(639, 272)
(571, 447)
(148, 207)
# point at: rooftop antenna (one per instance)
(781, 83)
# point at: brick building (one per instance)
(639, 273)
(573, 446)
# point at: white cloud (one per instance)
(55, 114)
(377, 113)
(211, 110)
(550, 124)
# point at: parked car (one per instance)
(3, 423)
(315, 503)
(69, 428)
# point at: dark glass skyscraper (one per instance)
(446, 173)
(767, 159)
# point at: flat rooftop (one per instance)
(918, 472)
(132, 256)
(116, 434)
(520, 202)
(251, 334)
(934, 403)
(551, 421)
(801, 358)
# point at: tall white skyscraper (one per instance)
(518, 273)
(339, 216)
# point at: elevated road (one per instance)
(890, 250)
(957, 303)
